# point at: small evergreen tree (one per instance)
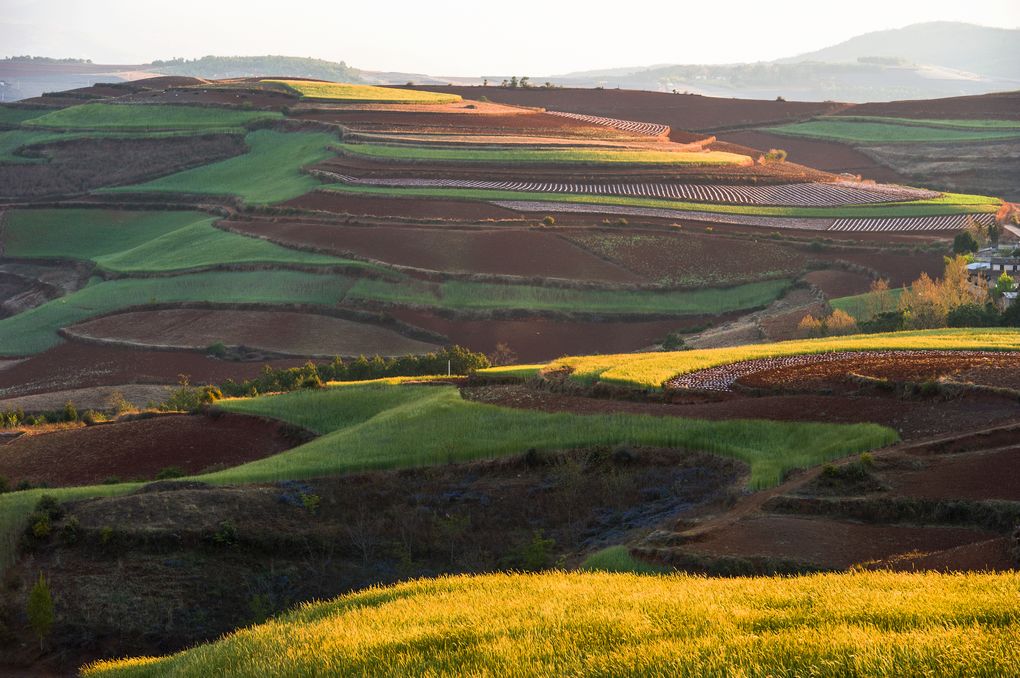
(40, 610)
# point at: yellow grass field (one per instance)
(338, 91)
(598, 624)
(650, 370)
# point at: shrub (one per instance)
(973, 315)
(70, 411)
(118, 404)
(40, 609)
(536, 554)
(5, 485)
(503, 355)
(169, 473)
(310, 502)
(217, 350)
(840, 322)
(549, 220)
(810, 326)
(776, 155)
(674, 341)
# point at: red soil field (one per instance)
(898, 366)
(829, 156)
(519, 252)
(830, 543)
(997, 106)
(984, 556)
(536, 339)
(139, 449)
(686, 257)
(284, 332)
(342, 203)
(94, 398)
(258, 98)
(899, 268)
(837, 283)
(975, 475)
(680, 112)
(78, 365)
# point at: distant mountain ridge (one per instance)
(920, 61)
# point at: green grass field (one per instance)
(541, 156)
(650, 370)
(114, 117)
(576, 624)
(953, 124)
(857, 305)
(125, 241)
(14, 116)
(269, 172)
(960, 204)
(867, 132)
(338, 91)
(12, 140)
(473, 296)
(372, 426)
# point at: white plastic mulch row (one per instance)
(948, 222)
(782, 195)
(650, 128)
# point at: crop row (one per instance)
(795, 195)
(650, 128)
(946, 222)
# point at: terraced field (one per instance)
(654, 370)
(112, 117)
(335, 91)
(866, 131)
(652, 129)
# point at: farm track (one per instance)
(791, 195)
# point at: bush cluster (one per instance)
(459, 360)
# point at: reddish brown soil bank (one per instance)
(140, 449)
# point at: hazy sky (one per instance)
(452, 37)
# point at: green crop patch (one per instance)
(269, 172)
(127, 241)
(542, 156)
(14, 116)
(366, 426)
(148, 117)
(339, 91)
(866, 132)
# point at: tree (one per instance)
(994, 231)
(879, 300)
(810, 326)
(840, 322)
(40, 609)
(964, 243)
(1004, 284)
(503, 355)
(513, 81)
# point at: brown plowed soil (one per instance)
(997, 106)
(679, 111)
(342, 203)
(536, 339)
(139, 449)
(899, 366)
(913, 419)
(830, 543)
(80, 165)
(504, 251)
(93, 398)
(687, 257)
(969, 475)
(982, 556)
(78, 365)
(829, 156)
(836, 283)
(899, 268)
(261, 99)
(286, 332)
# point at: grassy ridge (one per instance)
(467, 296)
(338, 91)
(552, 155)
(650, 370)
(857, 624)
(12, 115)
(371, 426)
(269, 172)
(863, 131)
(928, 122)
(147, 117)
(919, 208)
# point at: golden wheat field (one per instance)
(599, 624)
